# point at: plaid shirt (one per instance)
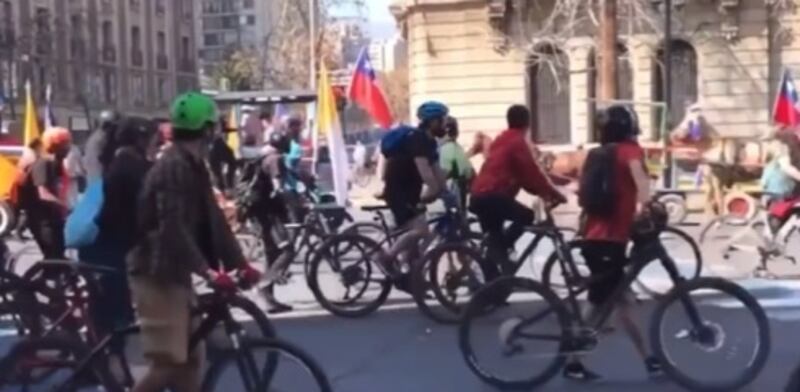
(181, 228)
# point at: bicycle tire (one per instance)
(680, 293)
(74, 348)
(552, 261)
(313, 278)
(477, 308)
(424, 276)
(698, 261)
(212, 375)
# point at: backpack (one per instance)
(253, 187)
(596, 193)
(392, 143)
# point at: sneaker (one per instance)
(575, 371)
(653, 366)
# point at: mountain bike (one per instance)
(537, 330)
(257, 356)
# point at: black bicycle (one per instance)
(71, 362)
(525, 342)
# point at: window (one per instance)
(162, 90)
(137, 56)
(251, 20)
(160, 8)
(110, 86)
(137, 90)
(249, 4)
(186, 57)
(44, 38)
(684, 82)
(162, 62)
(107, 34)
(76, 39)
(549, 97)
(135, 4)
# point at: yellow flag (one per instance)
(31, 129)
(233, 137)
(328, 126)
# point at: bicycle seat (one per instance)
(375, 208)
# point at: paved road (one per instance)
(398, 350)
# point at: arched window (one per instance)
(548, 96)
(624, 85)
(684, 82)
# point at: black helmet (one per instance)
(280, 141)
(617, 123)
(109, 119)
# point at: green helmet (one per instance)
(192, 112)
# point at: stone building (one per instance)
(132, 55)
(728, 55)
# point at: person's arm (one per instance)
(531, 176)
(641, 179)
(786, 166)
(432, 178)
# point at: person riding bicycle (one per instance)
(454, 162)
(412, 163)
(181, 232)
(44, 193)
(509, 167)
(780, 179)
(606, 233)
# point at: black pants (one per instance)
(271, 216)
(493, 212)
(48, 232)
(606, 260)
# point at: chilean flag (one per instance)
(365, 92)
(787, 104)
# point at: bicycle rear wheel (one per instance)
(296, 370)
(717, 325)
(445, 280)
(345, 277)
(519, 346)
(654, 280)
(54, 364)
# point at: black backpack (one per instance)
(253, 188)
(596, 193)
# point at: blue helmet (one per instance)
(431, 110)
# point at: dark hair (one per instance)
(518, 117)
(188, 135)
(616, 124)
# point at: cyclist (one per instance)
(607, 235)
(182, 232)
(45, 193)
(292, 159)
(509, 166)
(96, 156)
(454, 162)
(780, 179)
(414, 164)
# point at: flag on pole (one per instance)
(328, 126)
(364, 91)
(31, 130)
(232, 137)
(49, 118)
(786, 111)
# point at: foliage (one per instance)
(242, 70)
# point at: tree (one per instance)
(241, 71)
(395, 86)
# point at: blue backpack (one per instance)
(392, 143)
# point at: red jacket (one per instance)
(510, 166)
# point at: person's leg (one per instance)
(276, 257)
(520, 217)
(50, 237)
(492, 227)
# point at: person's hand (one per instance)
(220, 280)
(555, 199)
(249, 276)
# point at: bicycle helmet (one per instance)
(109, 117)
(432, 110)
(279, 141)
(617, 123)
(193, 112)
(56, 137)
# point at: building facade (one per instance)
(727, 55)
(129, 55)
(389, 54)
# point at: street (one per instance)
(399, 350)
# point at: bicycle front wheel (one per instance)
(518, 346)
(682, 249)
(716, 323)
(249, 369)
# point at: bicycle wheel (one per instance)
(683, 250)
(343, 279)
(445, 280)
(508, 350)
(252, 320)
(731, 337)
(553, 275)
(247, 369)
(54, 364)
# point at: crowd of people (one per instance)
(160, 222)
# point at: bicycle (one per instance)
(356, 277)
(568, 332)
(728, 234)
(88, 361)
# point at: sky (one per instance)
(381, 20)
